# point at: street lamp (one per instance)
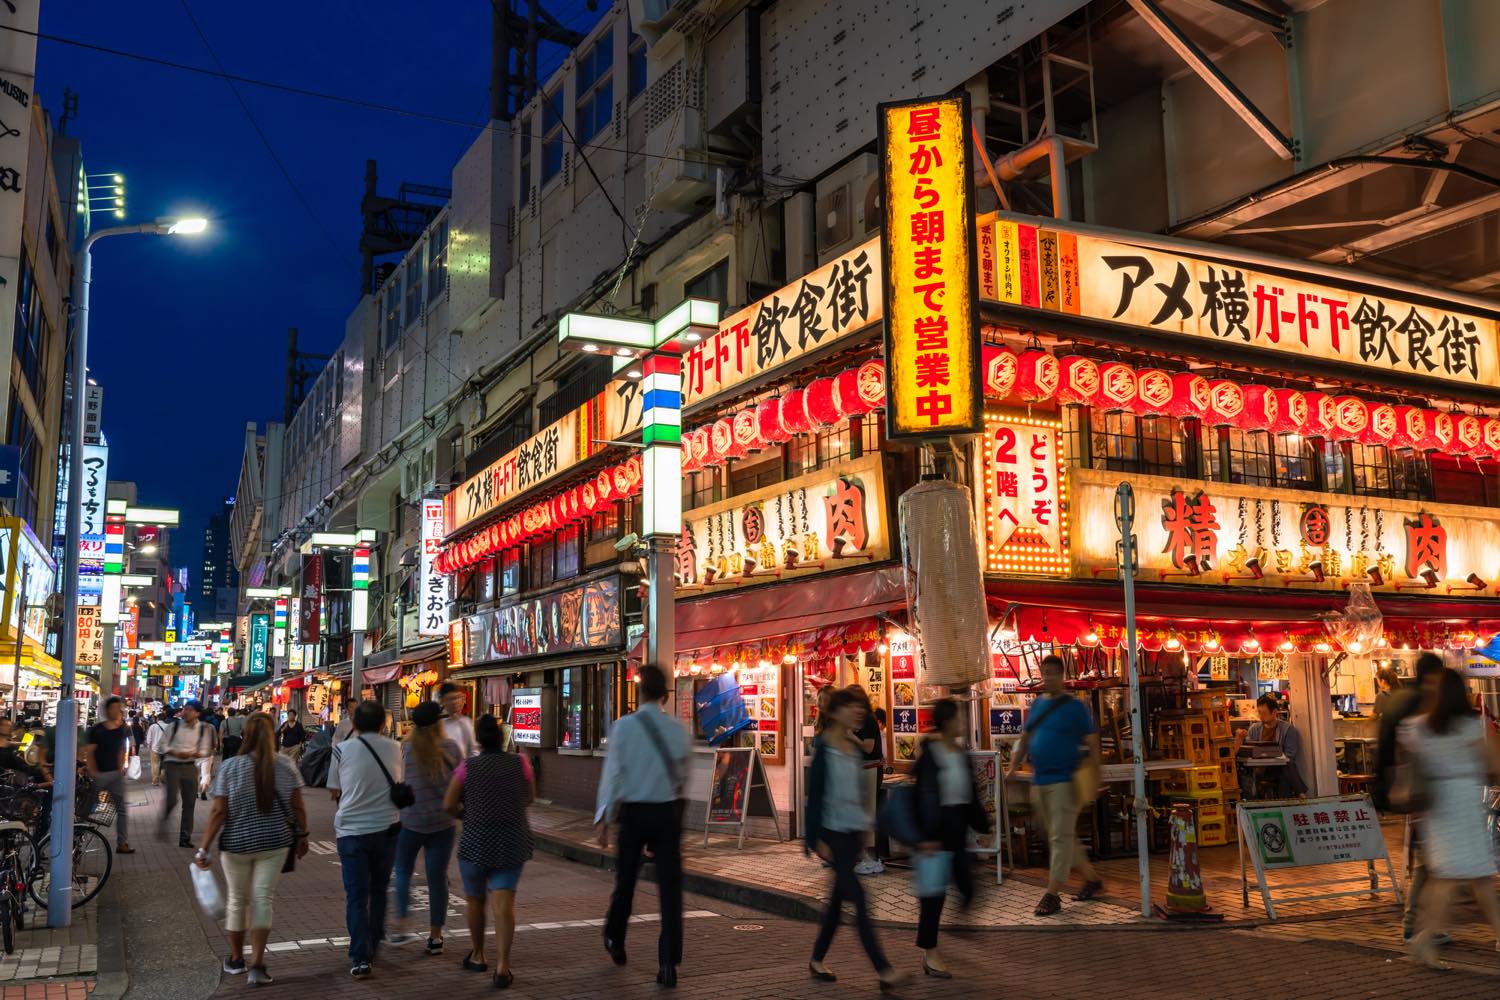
(59, 892)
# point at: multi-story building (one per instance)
(1212, 201)
(218, 581)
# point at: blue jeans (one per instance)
(437, 848)
(366, 864)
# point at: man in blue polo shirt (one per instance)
(1059, 731)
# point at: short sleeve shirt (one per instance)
(247, 830)
(365, 804)
(109, 746)
(1054, 746)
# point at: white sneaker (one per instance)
(868, 867)
(876, 868)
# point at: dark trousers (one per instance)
(846, 848)
(181, 777)
(365, 862)
(954, 836)
(653, 825)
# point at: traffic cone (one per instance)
(1185, 879)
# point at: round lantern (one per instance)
(1153, 391)
(1000, 366)
(747, 431)
(1262, 408)
(768, 416)
(1319, 415)
(725, 446)
(1291, 412)
(604, 483)
(1226, 403)
(1189, 396)
(846, 388)
(1078, 380)
(622, 481)
(1443, 430)
(871, 380)
(589, 497)
(823, 403)
(1351, 417)
(1490, 432)
(1410, 428)
(1117, 386)
(1468, 434)
(794, 416)
(689, 462)
(1037, 376)
(1382, 426)
(635, 469)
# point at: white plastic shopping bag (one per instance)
(930, 873)
(133, 769)
(206, 888)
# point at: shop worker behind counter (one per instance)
(642, 789)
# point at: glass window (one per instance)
(413, 288)
(1380, 471)
(1296, 462)
(711, 284)
(1126, 442)
(523, 185)
(568, 549)
(510, 572)
(595, 89)
(392, 313)
(437, 260)
(1250, 459)
(552, 136)
(542, 570)
(700, 488)
(637, 65)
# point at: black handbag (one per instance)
(290, 864)
(401, 793)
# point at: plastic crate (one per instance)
(1213, 832)
(1223, 750)
(1193, 781)
(1185, 738)
(1229, 777)
(1204, 802)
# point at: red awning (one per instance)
(380, 675)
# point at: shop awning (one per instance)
(533, 663)
(752, 613)
(254, 687)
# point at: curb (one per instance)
(806, 908)
(111, 978)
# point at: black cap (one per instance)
(429, 713)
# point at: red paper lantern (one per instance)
(590, 497)
(1351, 416)
(1443, 430)
(635, 470)
(1320, 422)
(1410, 427)
(823, 404)
(605, 484)
(1000, 369)
(1078, 380)
(872, 384)
(1189, 396)
(1291, 412)
(1262, 408)
(725, 446)
(1382, 426)
(846, 388)
(794, 416)
(1468, 434)
(1226, 403)
(1153, 391)
(1490, 432)
(768, 415)
(622, 481)
(1038, 376)
(689, 463)
(747, 431)
(1117, 386)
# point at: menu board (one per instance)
(761, 689)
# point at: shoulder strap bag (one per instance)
(297, 834)
(401, 793)
(673, 773)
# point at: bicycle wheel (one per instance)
(92, 860)
(6, 929)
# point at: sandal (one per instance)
(1090, 889)
(1050, 904)
(472, 966)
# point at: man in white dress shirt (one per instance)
(642, 789)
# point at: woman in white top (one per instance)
(947, 807)
(1447, 745)
(835, 831)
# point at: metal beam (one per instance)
(1276, 22)
(1200, 63)
(1423, 225)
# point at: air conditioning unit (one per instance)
(848, 207)
(653, 18)
(675, 139)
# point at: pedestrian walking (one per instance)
(426, 826)
(1448, 746)
(1405, 702)
(947, 807)
(156, 735)
(292, 737)
(256, 819)
(1057, 736)
(105, 754)
(491, 791)
(837, 823)
(233, 732)
(642, 791)
(363, 778)
(186, 743)
(457, 726)
(345, 728)
(138, 737)
(868, 736)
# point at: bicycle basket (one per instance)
(95, 807)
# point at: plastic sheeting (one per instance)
(944, 583)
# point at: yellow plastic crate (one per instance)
(1192, 781)
(1213, 832)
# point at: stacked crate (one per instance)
(1184, 736)
(1215, 707)
(1191, 736)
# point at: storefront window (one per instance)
(1296, 462)
(568, 548)
(1335, 467)
(1249, 460)
(578, 698)
(542, 570)
(1127, 442)
(700, 488)
(764, 468)
(1381, 472)
(487, 581)
(510, 572)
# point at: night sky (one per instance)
(188, 336)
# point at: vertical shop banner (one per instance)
(260, 642)
(91, 541)
(927, 246)
(18, 25)
(278, 647)
(432, 609)
(311, 606)
(90, 637)
(1024, 517)
(93, 414)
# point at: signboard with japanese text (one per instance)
(1195, 532)
(17, 86)
(1024, 519)
(526, 718)
(90, 636)
(932, 363)
(432, 598)
(1323, 831)
(760, 687)
(258, 660)
(581, 618)
(838, 300)
(93, 414)
(24, 560)
(310, 607)
(91, 540)
(1203, 291)
(832, 519)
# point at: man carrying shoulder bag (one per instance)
(643, 790)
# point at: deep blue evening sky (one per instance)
(189, 337)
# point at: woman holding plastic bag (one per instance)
(946, 806)
(257, 804)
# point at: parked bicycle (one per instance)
(18, 856)
(93, 858)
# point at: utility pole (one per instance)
(15, 684)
